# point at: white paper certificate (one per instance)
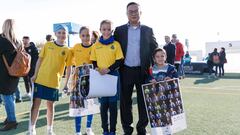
(102, 85)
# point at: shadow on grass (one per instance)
(134, 100)
(23, 127)
(58, 108)
(205, 81)
(227, 76)
(61, 114)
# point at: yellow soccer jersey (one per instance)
(106, 55)
(54, 59)
(81, 54)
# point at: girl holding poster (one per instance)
(81, 56)
(107, 56)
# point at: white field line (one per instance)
(223, 88)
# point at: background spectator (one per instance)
(8, 84)
(187, 58)
(170, 50)
(223, 60)
(179, 53)
(49, 38)
(32, 50)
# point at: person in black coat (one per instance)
(214, 57)
(223, 60)
(137, 43)
(210, 65)
(170, 50)
(8, 84)
(32, 50)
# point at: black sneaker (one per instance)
(18, 101)
(4, 122)
(9, 126)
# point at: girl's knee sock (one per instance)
(89, 121)
(78, 121)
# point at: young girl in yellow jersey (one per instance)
(81, 55)
(107, 56)
(53, 58)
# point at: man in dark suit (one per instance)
(138, 43)
(170, 50)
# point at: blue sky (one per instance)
(197, 20)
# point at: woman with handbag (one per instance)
(8, 83)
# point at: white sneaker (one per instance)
(89, 131)
(79, 133)
(27, 95)
(50, 133)
(32, 132)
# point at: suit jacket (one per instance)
(147, 44)
(171, 51)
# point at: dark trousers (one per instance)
(112, 108)
(177, 67)
(216, 69)
(221, 70)
(28, 83)
(109, 104)
(131, 77)
(210, 67)
(170, 61)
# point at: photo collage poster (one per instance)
(79, 87)
(164, 107)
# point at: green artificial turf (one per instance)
(212, 107)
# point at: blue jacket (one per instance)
(159, 74)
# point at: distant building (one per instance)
(230, 46)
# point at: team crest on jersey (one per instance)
(63, 53)
(112, 47)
